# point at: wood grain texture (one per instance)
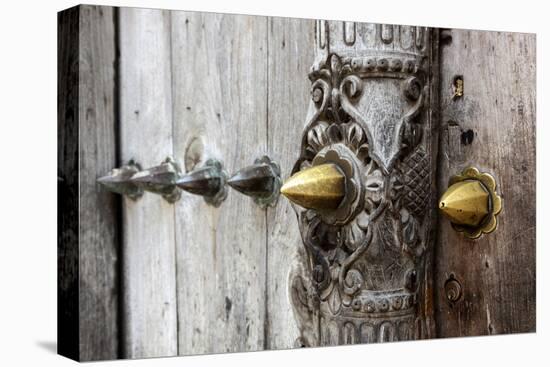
(67, 184)
(88, 217)
(198, 279)
(98, 210)
(491, 127)
(149, 267)
(220, 94)
(291, 53)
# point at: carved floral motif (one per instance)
(366, 257)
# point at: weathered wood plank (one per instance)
(99, 210)
(220, 89)
(67, 184)
(492, 127)
(291, 53)
(149, 268)
(88, 251)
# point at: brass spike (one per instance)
(465, 203)
(261, 181)
(118, 180)
(160, 180)
(256, 180)
(207, 181)
(203, 181)
(319, 187)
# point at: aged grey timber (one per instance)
(219, 78)
(150, 278)
(67, 184)
(99, 294)
(492, 126)
(291, 51)
(149, 264)
(88, 235)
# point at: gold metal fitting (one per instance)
(319, 187)
(465, 202)
(471, 203)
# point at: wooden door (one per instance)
(227, 89)
(492, 127)
(188, 277)
(197, 86)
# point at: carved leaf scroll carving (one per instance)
(368, 115)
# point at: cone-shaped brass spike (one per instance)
(160, 180)
(320, 187)
(261, 181)
(208, 181)
(254, 181)
(472, 203)
(202, 181)
(465, 203)
(119, 181)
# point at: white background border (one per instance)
(28, 163)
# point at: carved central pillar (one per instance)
(369, 145)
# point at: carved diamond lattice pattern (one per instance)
(417, 182)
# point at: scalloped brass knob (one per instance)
(471, 203)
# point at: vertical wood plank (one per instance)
(88, 218)
(98, 210)
(220, 90)
(492, 127)
(67, 185)
(291, 53)
(149, 268)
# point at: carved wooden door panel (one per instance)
(382, 116)
(487, 286)
(372, 117)
(399, 111)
